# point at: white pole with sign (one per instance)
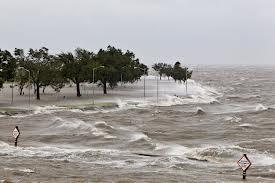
(16, 134)
(244, 163)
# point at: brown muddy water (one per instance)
(228, 111)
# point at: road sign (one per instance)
(16, 132)
(244, 163)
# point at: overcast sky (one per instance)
(191, 31)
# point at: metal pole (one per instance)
(93, 86)
(157, 90)
(144, 85)
(244, 174)
(186, 81)
(29, 88)
(15, 143)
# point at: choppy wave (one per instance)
(138, 136)
(243, 97)
(261, 107)
(247, 125)
(197, 93)
(200, 111)
(49, 151)
(241, 108)
(174, 95)
(46, 109)
(233, 119)
(77, 126)
(221, 154)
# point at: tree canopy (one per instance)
(7, 67)
(115, 63)
(177, 72)
(181, 74)
(160, 68)
(76, 66)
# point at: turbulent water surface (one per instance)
(228, 111)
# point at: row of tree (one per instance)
(41, 69)
(177, 72)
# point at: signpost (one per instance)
(244, 163)
(16, 134)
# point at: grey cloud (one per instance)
(200, 31)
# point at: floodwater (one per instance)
(198, 137)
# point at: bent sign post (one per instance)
(244, 163)
(16, 134)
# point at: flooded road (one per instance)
(198, 137)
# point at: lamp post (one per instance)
(157, 90)
(143, 79)
(94, 82)
(186, 81)
(29, 83)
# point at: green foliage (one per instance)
(7, 66)
(58, 80)
(160, 68)
(48, 70)
(76, 67)
(22, 79)
(168, 71)
(1, 82)
(115, 63)
(181, 74)
(38, 63)
(177, 72)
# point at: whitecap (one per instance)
(260, 107)
(46, 109)
(233, 119)
(136, 136)
(26, 170)
(247, 125)
(200, 111)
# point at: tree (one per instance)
(181, 74)
(76, 66)
(7, 67)
(58, 80)
(22, 78)
(38, 63)
(168, 71)
(115, 63)
(160, 68)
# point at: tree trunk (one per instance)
(37, 92)
(160, 76)
(78, 90)
(34, 88)
(105, 87)
(44, 89)
(20, 90)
